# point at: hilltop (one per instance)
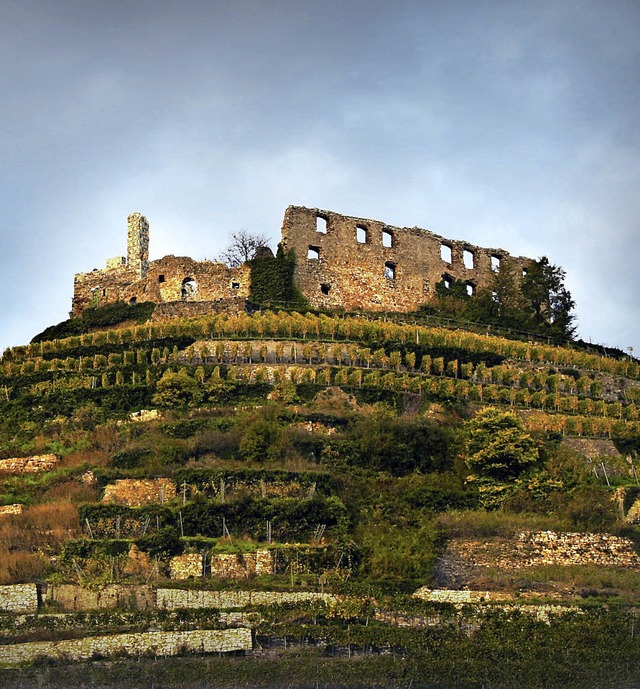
(406, 488)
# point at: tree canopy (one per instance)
(243, 246)
(498, 446)
(536, 302)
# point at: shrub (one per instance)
(129, 458)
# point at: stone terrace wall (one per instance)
(223, 565)
(16, 508)
(172, 599)
(459, 597)
(28, 465)
(193, 309)
(185, 566)
(546, 548)
(138, 492)
(71, 598)
(592, 448)
(389, 268)
(156, 643)
(19, 598)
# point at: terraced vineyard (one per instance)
(336, 466)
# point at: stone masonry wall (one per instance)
(28, 465)
(342, 262)
(194, 309)
(138, 492)
(459, 597)
(184, 566)
(352, 263)
(173, 599)
(223, 565)
(16, 508)
(19, 598)
(71, 597)
(134, 644)
(546, 548)
(169, 279)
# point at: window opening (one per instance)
(390, 270)
(468, 259)
(321, 224)
(387, 238)
(445, 253)
(104, 292)
(160, 278)
(495, 263)
(189, 288)
(235, 285)
(133, 300)
(313, 254)
(361, 234)
(524, 272)
(471, 289)
(324, 288)
(447, 281)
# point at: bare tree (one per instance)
(243, 247)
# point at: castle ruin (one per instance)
(343, 262)
(352, 263)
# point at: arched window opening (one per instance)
(471, 289)
(390, 270)
(189, 288)
(445, 253)
(495, 263)
(468, 259)
(321, 224)
(447, 281)
(313, 254)
(133, 300)
(524, 272)
(362, 234)
(387, 238)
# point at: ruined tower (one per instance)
(138, 243)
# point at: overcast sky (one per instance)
(504, 123)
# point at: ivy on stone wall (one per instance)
(273, 281)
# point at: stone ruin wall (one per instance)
(164, 282)
(352, 263)
(170, 279)
(342, 262)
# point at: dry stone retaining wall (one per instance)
(172, 599)
(28, 465)
(17, 508)
(138, 492)
(185, 566)
(156, 643)
(70, 597)
(532, 549)
(223, 565)
(459, 597)
(19, 598)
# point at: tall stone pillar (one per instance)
(138, 243)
